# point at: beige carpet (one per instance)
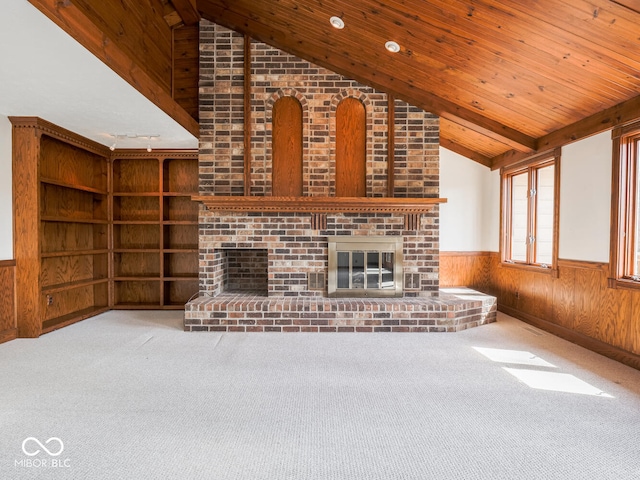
(128, 395)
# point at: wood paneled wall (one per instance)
(286, 169)
(139, 29)
(186, 68)
(577, 305)
(351, 149)
(8, 326)
(470, 269)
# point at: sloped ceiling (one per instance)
(508, 78)
(45, 73)
(502, 74)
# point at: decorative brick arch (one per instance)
(268, 133)
(369, 115)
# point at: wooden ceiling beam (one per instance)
(465, 152)
(492, 129)
(187, 10)
(73, 21)
(620, 114)
(247, 25)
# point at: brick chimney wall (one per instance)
(293, 248)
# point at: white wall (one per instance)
(470, 221)
(491, 217)
(6, 199)
(463, 219)
(585, 199)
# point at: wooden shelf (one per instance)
(137, 306)
(136, 222)
(180, 194)
(139, 278)
(319, 204)
(92, 221)
(71, 285)
(136, 250)
(136, 194)
(83, 188)
(179, 222)
(73, 253)
(71, 318)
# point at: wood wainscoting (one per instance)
(8, 326)
(469, 269)
(578, 305)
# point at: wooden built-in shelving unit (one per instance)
(61, 215)
(96, 229)
(155, 229)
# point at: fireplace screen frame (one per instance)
(382, 245)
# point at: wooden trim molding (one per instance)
(530, 165)
(566, 263)
(60, 133)
(450, 253)
(8, 322)
(612, 117)
(156, 153)
(247, 115)
(318, 204)
(624, 184)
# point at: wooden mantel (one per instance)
(318, 204)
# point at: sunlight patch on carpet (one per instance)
(559, 382)
(518, 357)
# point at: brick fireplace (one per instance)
(264, 260)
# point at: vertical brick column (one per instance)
(221, 110)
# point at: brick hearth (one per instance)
(246, 312)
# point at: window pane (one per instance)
(544, 215)
(519, 194)
(357, 270)
(373, 269)
(343, 270)
(387, 270)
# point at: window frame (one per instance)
(530, 166)
(624, 211)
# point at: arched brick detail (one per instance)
(266, 168)
(369, 112)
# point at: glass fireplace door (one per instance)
(365, 267)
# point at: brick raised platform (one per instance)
(454, 310)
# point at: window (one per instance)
(625, 231)
(530, 212)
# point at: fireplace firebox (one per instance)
(365, 266)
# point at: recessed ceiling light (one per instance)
(392, 46)
(337, 22)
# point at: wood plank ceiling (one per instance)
(507, 77)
